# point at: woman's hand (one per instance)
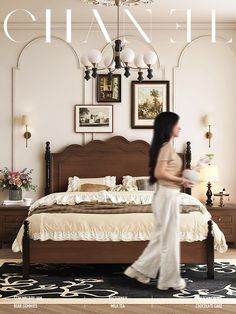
(187, 183)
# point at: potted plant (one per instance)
(15, 181)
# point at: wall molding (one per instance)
(127, 26)
(183, 52)
(18, 68)
(36, 39)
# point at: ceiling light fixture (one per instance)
(122, 57)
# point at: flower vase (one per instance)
(15, 195)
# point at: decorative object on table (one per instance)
(27, 134)
(209, 174)
(221, 194)
(208, 121)
(94, 118)
(204, 161)
(109, 89)
(15, 181)
(121, 57)
(148, 99)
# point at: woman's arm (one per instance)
(161, 173)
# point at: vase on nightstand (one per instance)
(15, 194)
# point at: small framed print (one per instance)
(148, 99)
(93, 118)
(108, 91)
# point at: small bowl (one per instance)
(191, 175)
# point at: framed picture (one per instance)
(148, 99)
(108, 91)
(93, 118)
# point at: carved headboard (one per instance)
(116, 157)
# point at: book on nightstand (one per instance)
(9, 202)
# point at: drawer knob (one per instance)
(219, 219)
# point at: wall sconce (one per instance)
(207, 120)
(27, 134)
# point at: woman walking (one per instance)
(162, 253)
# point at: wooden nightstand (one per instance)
(11, 218)
(225, 217)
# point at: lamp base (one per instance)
(209, 195)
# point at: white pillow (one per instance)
(75, 182)
(129, 183)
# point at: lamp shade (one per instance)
(138, 61)
(150, 58)
(84, 60)
(25, 119)
(208, 119)
(209, 174)
(127, 55)
(94, 56)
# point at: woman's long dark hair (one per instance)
(163, 126)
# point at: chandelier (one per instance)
(122, 57)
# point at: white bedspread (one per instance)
(113, 227)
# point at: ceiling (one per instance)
(82, 13)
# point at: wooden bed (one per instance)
(116, 156)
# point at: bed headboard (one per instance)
(116, 156)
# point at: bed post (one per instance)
(210, 251)
(188, 158)
(26, 252)
(48, 168)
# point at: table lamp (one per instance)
(209, 174)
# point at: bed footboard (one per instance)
(201, 252)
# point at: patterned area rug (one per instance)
(108, 281)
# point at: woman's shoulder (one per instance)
(167, 144)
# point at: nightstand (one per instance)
(225, 218)
(11, 219)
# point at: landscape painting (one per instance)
(148, 100)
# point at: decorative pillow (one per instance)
(129, 183)
(137, 183)
(89, 187)
(144, 185)
(75, 182)
(184, 209)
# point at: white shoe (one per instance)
(133, 273)
(181, 285)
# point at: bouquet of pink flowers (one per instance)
(14, 180)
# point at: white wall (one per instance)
(49, 83)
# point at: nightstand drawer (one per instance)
(11, 219)
(223, 218)
(10, 234)
(14, 219)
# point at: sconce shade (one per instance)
(25, 120)
(209, 174)
(208, 119)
